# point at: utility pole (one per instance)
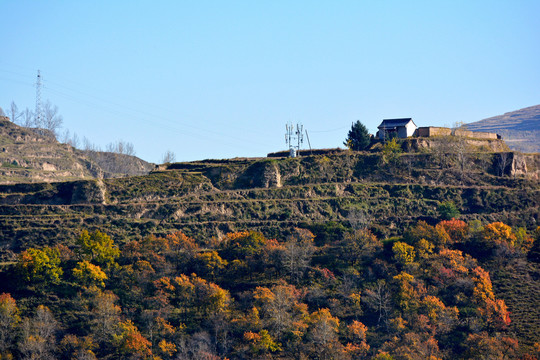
(38, 114)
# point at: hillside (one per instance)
(263, 258)
(520, 129)
(339, 255)
(216, 196)
(34, 155)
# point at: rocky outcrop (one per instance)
(261, 174)
(517, 164)
(88, 192)
(527, 165)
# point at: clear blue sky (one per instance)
(220, 79)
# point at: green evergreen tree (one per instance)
(358, 138)
(448, 210)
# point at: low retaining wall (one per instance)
(429, 131)
(285, 153)
(433, 131)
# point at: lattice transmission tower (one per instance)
(38, 114)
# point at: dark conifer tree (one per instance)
(358, 138)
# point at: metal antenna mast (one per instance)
(294, 138)
(38, 115)
(300, 135)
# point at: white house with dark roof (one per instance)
(401, 128)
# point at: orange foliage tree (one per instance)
(356, 334)
(493, 311)
(457, 230)
(130, 342)
(484, 346)
(423, 230)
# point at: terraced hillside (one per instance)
(215, 196)
(34, 155)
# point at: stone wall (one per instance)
(433, 131)
(484, 135)
(429, 131)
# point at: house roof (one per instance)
(392, 123)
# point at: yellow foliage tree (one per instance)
(211, 263)
(403, 253)
(40, 265)
(98, 247)
(323, 333)
(89, 274)
(499, 233)
(262, 342)
(166, 348)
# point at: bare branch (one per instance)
(168, 157)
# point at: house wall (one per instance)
(402, 132)
(411, 128)
(381, 134)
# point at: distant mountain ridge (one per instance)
(520, 129)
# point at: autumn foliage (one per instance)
(242, 295)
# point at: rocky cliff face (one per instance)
(527, 165)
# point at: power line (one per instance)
(31, 84)
(80, 96)
(138, 111)
(326, 131)
(116, 109)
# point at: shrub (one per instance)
(448, 210)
